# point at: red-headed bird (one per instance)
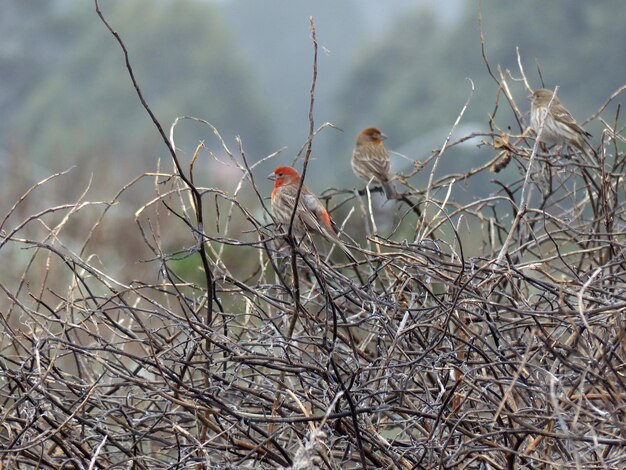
(559, 126)
(371, 160)
(311, 216)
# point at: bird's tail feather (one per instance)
(390, 190)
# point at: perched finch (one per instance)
(559, 126)
(311, 216)
(370, 159)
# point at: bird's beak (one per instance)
(382, 136)
(271, 176)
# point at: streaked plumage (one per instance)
(311, 215)
(371, 160)
(559, 126)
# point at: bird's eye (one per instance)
(280, 175)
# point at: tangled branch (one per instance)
(483, 333)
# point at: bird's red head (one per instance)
(284, 175)
(371, 134)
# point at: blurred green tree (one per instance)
(413, 81)
(183, 60)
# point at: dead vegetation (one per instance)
(509, 353)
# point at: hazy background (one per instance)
(245, 65)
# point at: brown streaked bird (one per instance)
(311, 216)
(559, 126)
(371, 160)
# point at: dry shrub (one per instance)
(481, 335)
